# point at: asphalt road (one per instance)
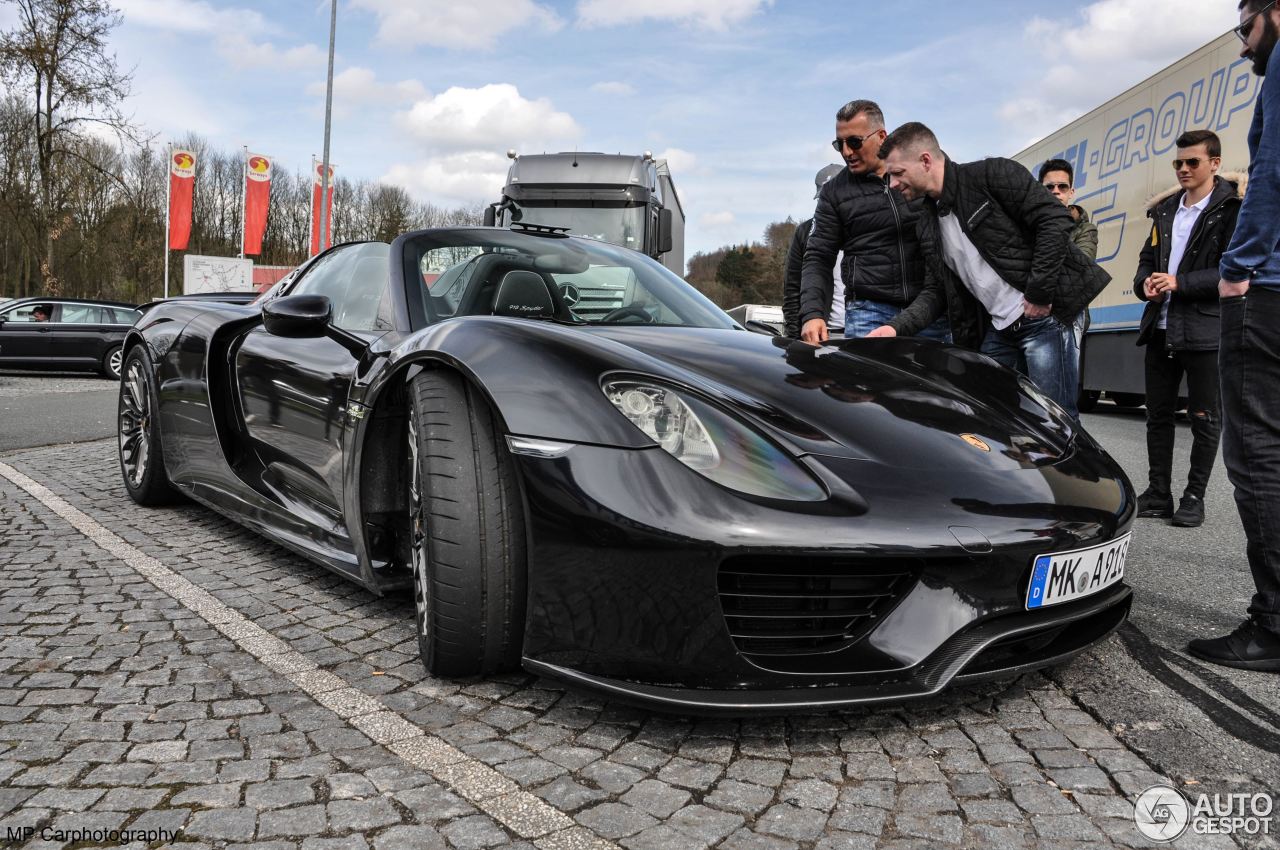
(1190, 720)
(41, 409)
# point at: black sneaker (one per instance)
(1249, 647)
(1152, 505)
(1190, 513)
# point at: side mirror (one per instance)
(308, 317)
(490, 215)
(665, 227)
(297, 316)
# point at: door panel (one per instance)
(293, 395)
(78, 335)
(22, 338)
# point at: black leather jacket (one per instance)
(876, 228)
(1193, 322)
(1023, 233)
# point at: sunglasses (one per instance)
(1193, 163)
(1061, 187)
(1246, 28)
(853, 142)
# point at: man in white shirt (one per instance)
(998, 261)
(1191, 226)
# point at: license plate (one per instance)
(1065, 576)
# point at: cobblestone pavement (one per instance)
(166, 669)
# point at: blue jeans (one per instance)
(1045, 351)
(861, 317)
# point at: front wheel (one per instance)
(138, 426)
(468, 531)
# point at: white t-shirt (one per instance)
(836, 319)
(1184, 221)
(1001, 300)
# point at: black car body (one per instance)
(76, 335)
(654, 502)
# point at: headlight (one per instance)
(712, 443)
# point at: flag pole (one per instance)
(244, 198)
(325, 236)
(168, 189)
(312, 224)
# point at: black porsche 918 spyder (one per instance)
(583, 467)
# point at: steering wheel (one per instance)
(628, 310)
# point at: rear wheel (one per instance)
(138, 425)
(113, 363)
(468, 531)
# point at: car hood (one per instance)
(906, 403)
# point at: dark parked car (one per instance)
(69, 334)
(651, 502)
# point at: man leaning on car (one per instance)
(874, 225)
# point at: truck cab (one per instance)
(625, 200)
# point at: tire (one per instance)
(467, 520)
(138, 430)
(1088, 401)
(113, 363)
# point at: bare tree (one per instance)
(57, 54)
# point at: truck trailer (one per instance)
(1122, 154)
(625, 200)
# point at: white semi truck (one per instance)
(1122, 153)
(623, 199)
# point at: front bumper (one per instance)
(628, 550)
(961, 660)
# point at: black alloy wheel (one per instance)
(141, 457)
(469, 557)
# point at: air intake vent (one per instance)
(808, 606)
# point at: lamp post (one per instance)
(328, 121)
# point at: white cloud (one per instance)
(492, 117)
(453, 180)
(1109, 46)
(230, 30)
(462, 136)
(722, 220)
(450, 24)
(711, 14)
(681, 161)
(356, 87)
(614, 88)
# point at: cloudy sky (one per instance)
(739, 95)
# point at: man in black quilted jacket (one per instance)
(874, 226)
(795, 267)
(998, 261)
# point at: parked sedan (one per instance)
(646, 500)
(64, 334)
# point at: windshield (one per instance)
(588, 283)
(617, 225)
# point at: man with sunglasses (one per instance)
(1058, 176)
(1249, 359)
(998, 259)
(874, 226)
(1177, 276)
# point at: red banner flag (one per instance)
(182, 181)
(316, 206)
(257, 197)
